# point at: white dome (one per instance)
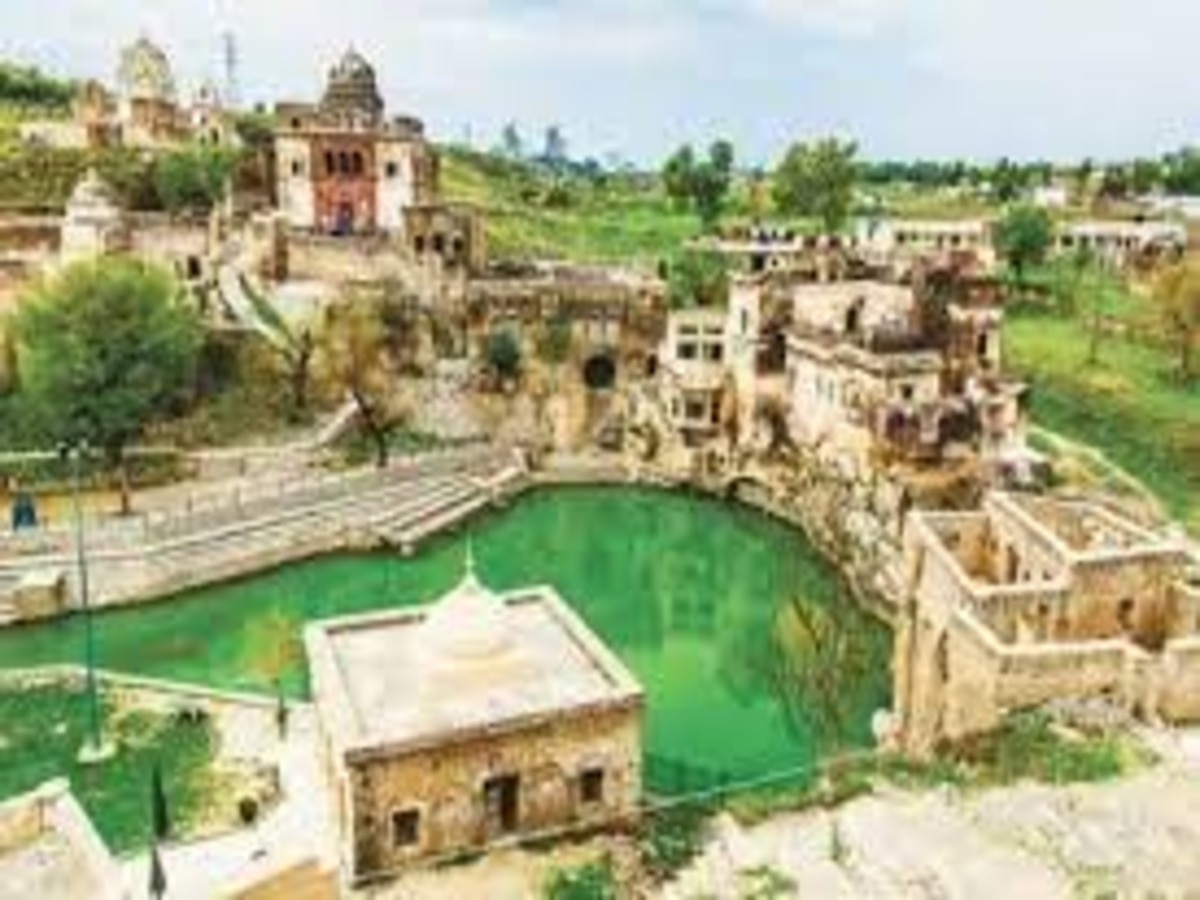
(467, 625)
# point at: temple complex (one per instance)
(344, 168)
(480, 719)
(143, 111)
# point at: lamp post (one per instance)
(93, 749)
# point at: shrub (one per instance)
(594, 881)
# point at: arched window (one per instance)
(344, 163)
(357, 163)
(330, 165)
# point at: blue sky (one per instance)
(937, 78)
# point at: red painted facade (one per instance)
(344, 183)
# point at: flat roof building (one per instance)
(478, 719)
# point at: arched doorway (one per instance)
(600, 372)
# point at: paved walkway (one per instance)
(1137, 837)
(300, 826)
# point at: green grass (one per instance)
(42, 729)
(533, 216)
(1129, 404)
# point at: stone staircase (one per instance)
(396, 507)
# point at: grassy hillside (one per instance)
(1129, 404)
(533, 214)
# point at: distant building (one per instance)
(479, 719)
(143, 112)
(1033, 600)
(1122, 243)
(343, 168)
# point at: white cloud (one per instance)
(841, 18)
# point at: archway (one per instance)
(600, 372)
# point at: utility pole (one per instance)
(93, 749)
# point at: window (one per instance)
(297, 167)
(687, 351)
(591, 786)
(406, 828)
(330, 163)
(356, 163)
(419, 243)
(344, 163)
(439, 244)
(392, 169)
(694, 410)
(296, 124)
(907, 391)
(715, 353)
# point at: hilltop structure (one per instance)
(344, 168)
(142, 112)
(476, 720)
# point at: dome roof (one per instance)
(92, 193)
(352, 88)
(145, 72)
(468, 624)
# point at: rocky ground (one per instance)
(1136, 837)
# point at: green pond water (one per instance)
(753, 658)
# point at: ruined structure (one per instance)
(479, 719)
(908, 371)
(94, 225)
(1031, 600)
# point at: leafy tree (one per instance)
(1115, 183)
(698, 279)
(1177, 302)
(677, 175)
(193, 179)
(503, 354)
(353, 360)
(1009, 180)
(554, 344)
(1083, 178)
(818, 180)
(1144, 175)
(1023, 238)
(105, 349)
(1181, 172)
(702, 184)
(28, 86)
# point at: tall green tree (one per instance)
(818, 180)
(702, 184)
(105, 349)
(1023, 238)
(193, 179)
(698, 279)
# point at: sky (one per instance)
(978, 79)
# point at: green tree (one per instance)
(503, 354)
(818, 180)
(193, 178)
(105, 349)
(698, 279)
(1144, 175)
(554, 153)
(700, 184)
(1177, 302)
(1009, 180)
(1023, 238)
(353, 359)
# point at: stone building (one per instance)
(1031, 600)
(94, 224)
(1124, 243)
(143, 111)
(477, 720)
(344, 168)
(875, 366)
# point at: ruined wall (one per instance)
(347, 260)
(445, 785)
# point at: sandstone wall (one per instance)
(445, 784)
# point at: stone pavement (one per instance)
(300, 826)
(1136, 837)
